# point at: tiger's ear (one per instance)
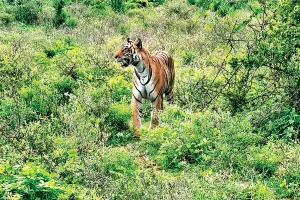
(129, 40)
(138, 43)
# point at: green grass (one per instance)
(65, 117)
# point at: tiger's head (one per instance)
(128, 53)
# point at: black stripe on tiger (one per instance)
(137, 99)
(154, 87)
(170, 98)
(138, 89)
(137, 74)
(149, 77)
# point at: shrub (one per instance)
(284, 124)
(264, 161)
(120, 88)
(187, 57)
(47, 16)
(60, 47)
(118, 5)
(124, 29)
(6, 18)
(118, 163)
(71, 22)
(220, 6)
(99, 6)
(118, 120)
(60, 12)
(199, 138)
(39, 97)
(28, 12)
(32, 182)
(64, 87)
(157, 2)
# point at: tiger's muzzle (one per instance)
(125, 61)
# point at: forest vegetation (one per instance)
(65, 117)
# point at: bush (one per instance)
(284, 124)
(40, 98)
(99, 6)
(264, 161)
(60, 12)
(124, 29)
(32, 182)
(47, 15)
(220, 6)
(120, 88)
(118, 163)
(64, 87)
(71, 22)
(118, 121)
(6, 18)
(199, 138)
(188, 57)
(59, 47)
(28, 12)
(118, 5)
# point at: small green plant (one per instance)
(31, 182)
(282, 124)
(124, 29)
(265, 161)
(118, 120)
(118, 5)
(71, 22)
(6, 18)
(187, 57)
(120, 88)
(118, 163)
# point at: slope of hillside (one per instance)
(65, 117)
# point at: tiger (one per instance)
(153, 77)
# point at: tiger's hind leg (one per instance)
(170, 97)
(157, 105)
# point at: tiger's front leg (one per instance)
(157, 105)
(136, 106)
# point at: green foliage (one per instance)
(221, 7)
(65, 116)
(99, 6)
(28, 12)
(118, 5)
(187, 57)
(193, 139)
(118, 121)
(60, 47)
(265, 161)
(157, 2)
(124, 29)
(118, 116)
(32, 182)
(282, 125)
(71, 22)
(6, 18)
(118, 163)
(60, 12)
(120, 88)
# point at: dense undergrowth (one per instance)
(65, 118)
